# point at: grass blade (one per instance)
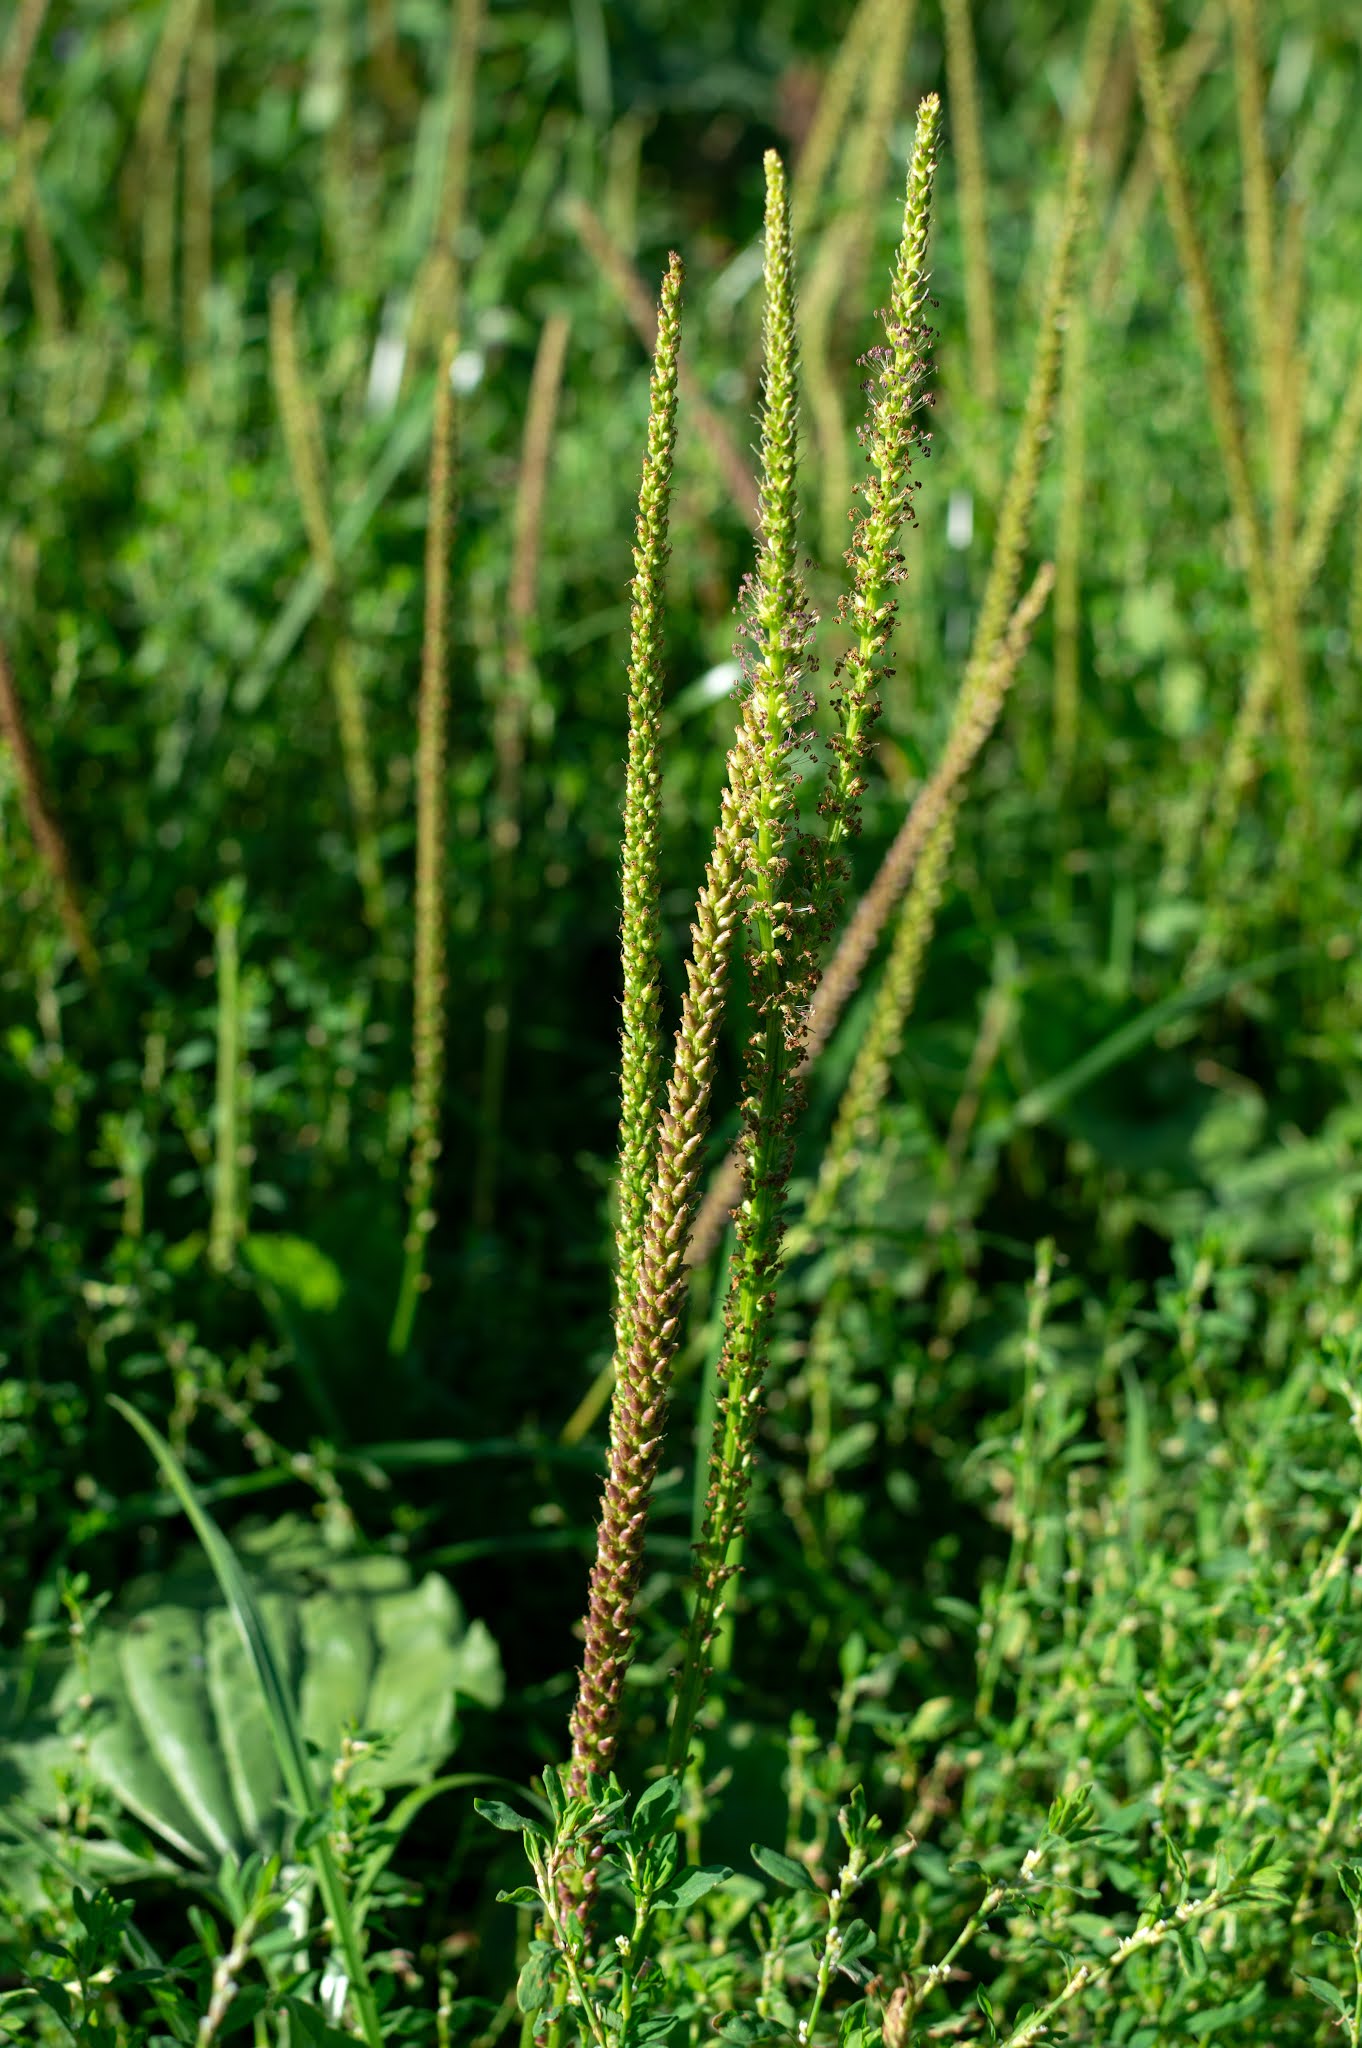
(1043, 1100)
(285, 1727)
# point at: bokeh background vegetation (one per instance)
(1137, 1032)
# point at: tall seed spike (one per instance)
(779, 961)
(640, 926)
(996, 649)
(431, 780)
(649, 1323)
(890, 437)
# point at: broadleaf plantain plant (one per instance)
(778, 882)
(619, 1956)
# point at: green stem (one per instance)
(225, 1226)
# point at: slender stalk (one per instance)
(200, 91)
(1355, 586)
(301, 422)
(891, 438)
(632, 293)
(1014, 517)
(396, 87)
(998, 1013)
(1337, 474)
(1284, 380)
(857, 1112)
(428, 1035)
(1112, 106)
(24, 29)
(155, 161)
(23, 199)
(1186, 69)
(1069, 537)
(1104, 90)
(1073, 405)
(439, 286)
(1276, 672)
(643, 1367)
(968, 149)
(1287, 368)
(302, 426)
(619, 208)
(855, 53)
(836, 274)
(338, 194)
(43, 826)
(347, 695)
(226, 1225)
(41, 257)
(1256, 179)
(513, 708)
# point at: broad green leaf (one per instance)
(121, 1756)
(536, 1979)
(376, 1573)
(683, 1892)
(477, 1666)
(783, 1869)
(657, 1807)
(500, 1815)
(1327, 1992)
(338, 1665)
(182, 1734)
(413, 1688)
(857, 1941)
(242, 1722)
(165, 1675)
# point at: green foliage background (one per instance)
(1172, 1092)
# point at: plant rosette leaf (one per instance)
(177, 1729)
